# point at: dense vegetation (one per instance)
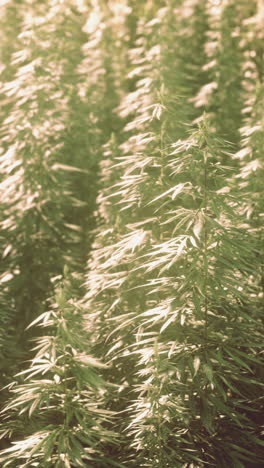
(131, 232)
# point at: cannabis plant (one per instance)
(154, 359)
(56, 416)
(43, 208)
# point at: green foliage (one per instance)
(50, 139)
(132, 136)
(57, 408)
(170, 280)
(197, 381)
(227, 100)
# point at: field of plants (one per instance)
(131, 232)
